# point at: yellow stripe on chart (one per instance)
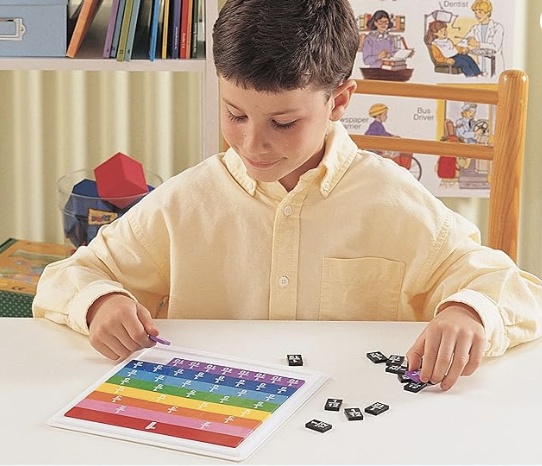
(182, 402)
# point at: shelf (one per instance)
(98, 64)
(89, 56)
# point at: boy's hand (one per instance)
(451, 345)
(119, 326)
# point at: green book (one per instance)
(125, 28)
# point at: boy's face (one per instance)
(279, 136)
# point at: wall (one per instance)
(531, 216)
(55, 122)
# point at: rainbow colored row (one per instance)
(187, 399)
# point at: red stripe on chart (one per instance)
(155, 427)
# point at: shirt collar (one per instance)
(339, 153)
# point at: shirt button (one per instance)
(250, 185)
(288, 210)
(283, 281)
(326, 185)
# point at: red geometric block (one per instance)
(120, 180)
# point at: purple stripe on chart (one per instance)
(164, 418)
(235, 372)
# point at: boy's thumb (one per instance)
(146, 320)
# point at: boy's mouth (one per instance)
(262, 165)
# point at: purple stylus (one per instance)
(160, 340)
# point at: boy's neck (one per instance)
(289, 182)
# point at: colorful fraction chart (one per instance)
(191, 401)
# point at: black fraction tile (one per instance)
(333, 404)
(353, 414)
(415, 387)
(403, 378)
(295, 360)
(318, 426)
(395, 369)
(377, 357)
(395, 359)
(376, 408)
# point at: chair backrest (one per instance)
(506, 153)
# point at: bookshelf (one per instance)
(89, 58)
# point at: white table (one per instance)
(493, 417)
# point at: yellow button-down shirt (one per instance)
(358, 238)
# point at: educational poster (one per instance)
(191, 401)
(466, 43)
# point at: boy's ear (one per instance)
(341, 98)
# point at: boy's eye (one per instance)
(235, 118)
(278, 125)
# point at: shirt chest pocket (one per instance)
(367, 288)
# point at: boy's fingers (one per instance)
(112, 348)
(146, 320)
(459, 360)
(475, 356)
(149, 327)
(415, 354)
(430, 353)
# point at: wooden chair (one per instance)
(506, 153)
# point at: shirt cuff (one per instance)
(496, 340)
(79, 306)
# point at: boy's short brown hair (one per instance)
(274, 45)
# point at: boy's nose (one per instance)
(255, 141)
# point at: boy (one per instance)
(293, 221)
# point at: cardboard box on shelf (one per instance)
(33, 28)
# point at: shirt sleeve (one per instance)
(507, 299)
(118, 260)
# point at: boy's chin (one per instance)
(257, 175)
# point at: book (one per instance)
(186, 29)
(200, 41)
(154, 28)
(85, 16)
(140, 46)
(134, 22)
(118, 26)
(74, 10)
(21, 264)
(393, 62)
(110, 28)
(195, 24)
(394, 67)
(402, 54)
(165, 28)
(125, 26)
(175, 28)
